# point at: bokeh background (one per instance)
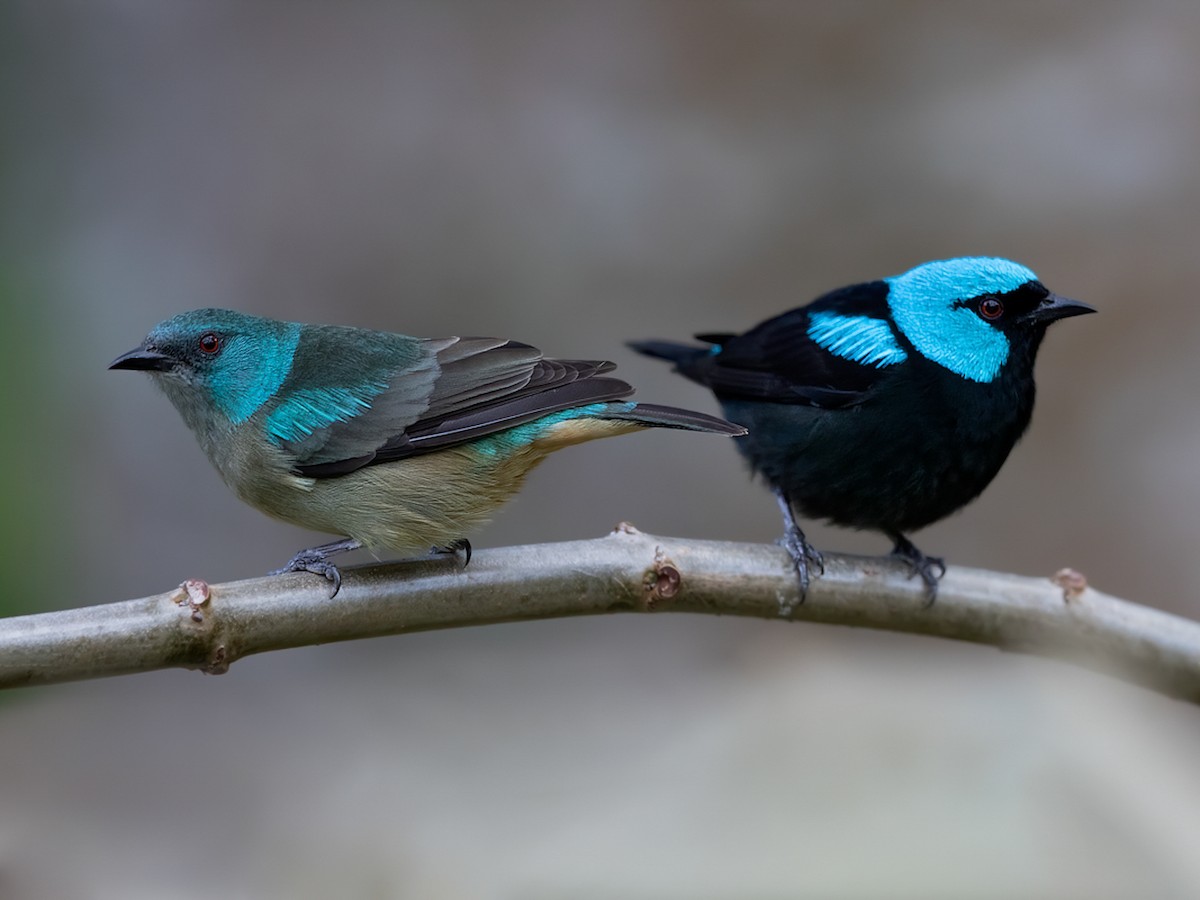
(575, 175)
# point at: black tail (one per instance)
(680, 354)
(670, 417)
(690, 361)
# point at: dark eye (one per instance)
(209, 342)
(991, 308)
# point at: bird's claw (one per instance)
(330, 572)
(799, 549)
(314, 562)
(453, 548)
(921, 565)
(804, 557)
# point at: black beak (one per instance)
(142, 360)
(1055, 307)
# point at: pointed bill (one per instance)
(1056, 307)
(141, 360)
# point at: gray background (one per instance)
(574, 175)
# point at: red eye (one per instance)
(991, 308)
(209, 342)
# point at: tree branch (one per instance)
(209, 628)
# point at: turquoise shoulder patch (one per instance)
(306, 410)
(860, 339)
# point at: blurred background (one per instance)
(574, 175)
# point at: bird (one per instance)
(393, 442)
(885, 405)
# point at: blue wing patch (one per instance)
(860, 339)
(309, 409)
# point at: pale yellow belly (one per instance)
(411, 505)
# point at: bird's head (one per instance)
(973, 314)
(216, 365)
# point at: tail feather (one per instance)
(672, 351)
(670, 417)
(690, 361)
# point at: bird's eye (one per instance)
(991, 308)
(209, 343)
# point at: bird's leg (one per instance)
(801, 551)
(453, 548)
(314, 560)
(920, 563)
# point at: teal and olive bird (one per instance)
(398, 443)
(886, 405)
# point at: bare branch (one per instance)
(208, 628)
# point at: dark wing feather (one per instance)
(478, 371)
(478, 422)
(482, 385)
(777, 361)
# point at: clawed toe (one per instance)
(308, 562)
(921, 565)
(453, 549)
(814, 557)
(804, 555)
(316, 561)
(805, 558)
(298, 563)
(328, 571)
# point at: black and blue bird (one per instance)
(395, 442)
(886, 405)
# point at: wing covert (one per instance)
(826, 354)
(429, 394)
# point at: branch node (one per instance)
(218, 661)
(193, 594)
(1072, 582)
(662, 581)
